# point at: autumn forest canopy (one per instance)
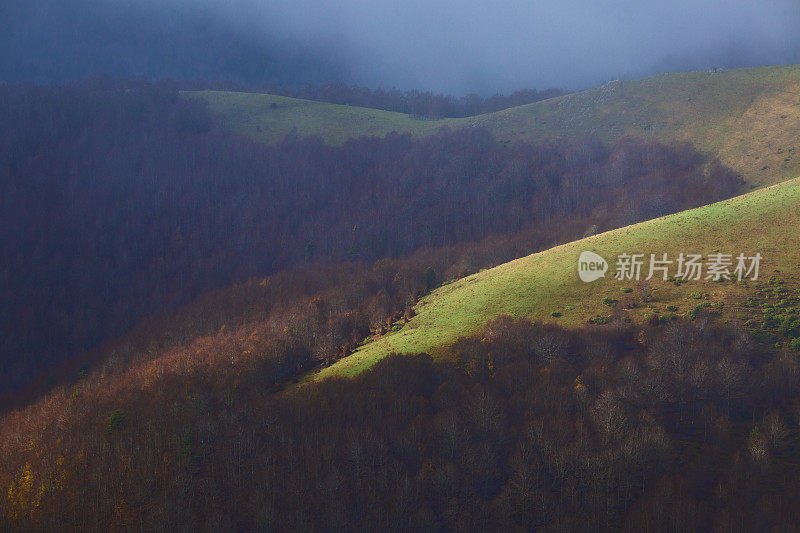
(301, 265)
(170, 287)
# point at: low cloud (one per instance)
(484, 47)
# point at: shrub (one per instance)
(627, 290)
(771, 320)
(115, 421)
(692, 314)
(764, 337)
(555, 314)
(609, 302)
(672, 308)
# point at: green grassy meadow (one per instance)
(749, 118)
(269, 118)
(536, 286)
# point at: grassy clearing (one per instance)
(536, 286)
(269, 118)
(749, 118)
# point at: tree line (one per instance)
(686, 425)
(424, 104)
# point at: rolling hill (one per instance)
(536, 286)
(749, 118)
(189, 420)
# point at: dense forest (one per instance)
(120, 200)
(683, 425)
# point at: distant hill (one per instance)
(536, 286)
(749, 118)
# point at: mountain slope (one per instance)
(749, 118)
(534, 287)
(269, 118)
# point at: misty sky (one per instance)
(450, 46)
(460, 46)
